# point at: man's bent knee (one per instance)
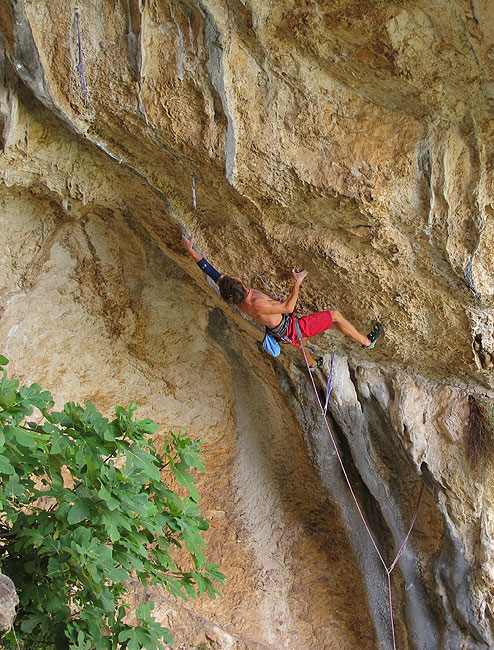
(337, 316)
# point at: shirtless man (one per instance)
(277, 316)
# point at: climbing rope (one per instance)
(266, 284)
(80, 65)
(402, 547)
(329, 386)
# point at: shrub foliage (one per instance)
(84, 508)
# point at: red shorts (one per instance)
(309, 325)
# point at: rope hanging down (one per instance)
(402, 547)
(329, 387)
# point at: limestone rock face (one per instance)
(350, 138)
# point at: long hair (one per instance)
(232, 290)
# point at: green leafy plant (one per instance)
(85, 508)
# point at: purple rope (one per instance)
(402, 547)
(80, 65)
(341, 463)
(329, 387)
(390, 593)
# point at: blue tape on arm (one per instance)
(205, 266)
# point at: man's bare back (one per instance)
(265, 310)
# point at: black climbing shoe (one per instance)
(373, 335)
(319, 362)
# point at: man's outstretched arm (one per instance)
(291, 301)
(202, 262)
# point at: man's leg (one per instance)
(348, 329)
(319, 322)
(310, 326)
(310, 358)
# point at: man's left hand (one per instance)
(299, 275)
(188, 242)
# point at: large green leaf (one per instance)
(185, 479)
(110, 526)
(78, 512)
(7, 398)
(33, 394)
(193, 541)
(21, 436)
(5, 466)
(143, 460)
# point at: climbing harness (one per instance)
(80, 65)
(277, 334)
(414, 517)
(280, 333)
(281, 329)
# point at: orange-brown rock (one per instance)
(350, 138)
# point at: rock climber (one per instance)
(277, 316)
